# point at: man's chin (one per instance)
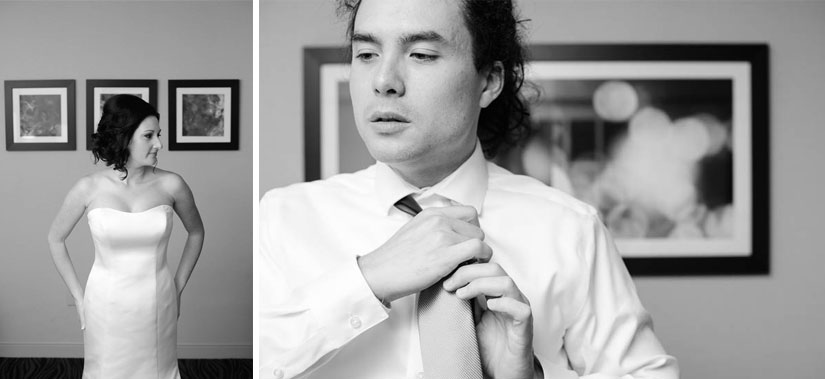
(392, 153)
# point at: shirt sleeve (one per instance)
(306, 314)
(612, 336)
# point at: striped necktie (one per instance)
(449, 347)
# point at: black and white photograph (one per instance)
(124, 258)
(638, 163)
(40, 115)
(412, 189)
(204, 114)
(687, 132)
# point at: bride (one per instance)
(129, 309)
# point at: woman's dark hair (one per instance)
(496, 35)
(122, 114)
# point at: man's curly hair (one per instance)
(122, 114)
(497, 37)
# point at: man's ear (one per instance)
(493, 84)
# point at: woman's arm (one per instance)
(187, 210)
(72, 210)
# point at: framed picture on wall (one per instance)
(203, 114)
(100, 90)
(668, 142)
(331, 142)
(40, 115)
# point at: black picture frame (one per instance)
(98, 90)
(213, 94)
(738, 71)
(47, 118)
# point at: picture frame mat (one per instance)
(64, 114)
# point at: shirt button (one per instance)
(355, 322)
(420, 375)
(278, 373)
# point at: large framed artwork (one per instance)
(668, 142)
(98, 91)
(203, 114)
(40, 115)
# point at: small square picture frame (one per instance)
(40, 115)
(203, 114)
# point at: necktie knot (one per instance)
(408, 205)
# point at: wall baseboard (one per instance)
(75, 350)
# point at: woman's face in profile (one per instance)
(145, 144)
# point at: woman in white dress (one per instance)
(131, 303)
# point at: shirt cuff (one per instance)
(349, 307)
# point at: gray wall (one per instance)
(119, 40)
(718, 327)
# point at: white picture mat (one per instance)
(227, 114)
(331, 76)
(64, 114)
(739, 72)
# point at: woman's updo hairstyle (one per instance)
(122, 114)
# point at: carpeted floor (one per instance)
(72, 368)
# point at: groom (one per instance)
(348, 263)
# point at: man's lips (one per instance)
(388, 117)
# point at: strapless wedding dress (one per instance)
(130, 301)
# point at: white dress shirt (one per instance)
(319, 318)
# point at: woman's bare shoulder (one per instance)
(170, 180)
(93, 180)
(85, 188)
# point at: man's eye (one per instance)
(364, 57)
(424, 57)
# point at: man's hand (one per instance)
(423, 251)
(505, 333)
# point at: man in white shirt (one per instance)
(434, 86)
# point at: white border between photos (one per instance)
(255, 184)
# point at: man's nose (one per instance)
(389, 79)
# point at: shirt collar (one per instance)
(466, 185)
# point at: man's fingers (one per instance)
(496, 286)
(460, 212)
(452, 219)
(520, 312)
(466, 274)
(466, 229)
(470, 250)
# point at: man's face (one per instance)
(415, 91)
